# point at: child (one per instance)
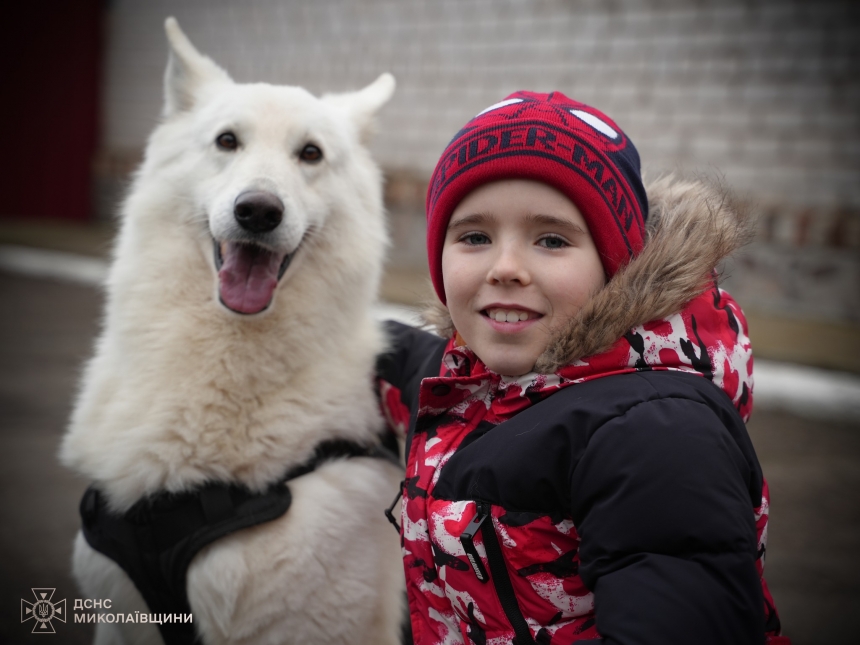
(578, 466)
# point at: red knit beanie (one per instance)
(552, 139)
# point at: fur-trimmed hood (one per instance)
(692, 226)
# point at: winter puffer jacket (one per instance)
(612, 494)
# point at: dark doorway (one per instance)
(50, 66)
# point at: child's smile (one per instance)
(509, 318)
(509, 314)
(518, 260)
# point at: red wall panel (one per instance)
(50, 70)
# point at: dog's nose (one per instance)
(258, 211)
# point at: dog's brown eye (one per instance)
(227, 141)
(311, 153)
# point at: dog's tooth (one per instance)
(523, 316)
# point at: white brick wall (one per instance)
(767, 92)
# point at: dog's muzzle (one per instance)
(248, 272)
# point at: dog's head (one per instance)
(262, 167)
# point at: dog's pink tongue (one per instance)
(247, 278)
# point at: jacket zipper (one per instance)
(499, 571)
(467, 538)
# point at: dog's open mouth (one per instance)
(248, 275)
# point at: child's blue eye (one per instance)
(475, 238)
(552, 242)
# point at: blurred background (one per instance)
(766, 93)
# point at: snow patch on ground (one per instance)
(807, 391)
(56, 265)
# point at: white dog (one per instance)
(238, 336)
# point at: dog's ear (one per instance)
(187, 71)
(363, 105)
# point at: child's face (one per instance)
(518, 261)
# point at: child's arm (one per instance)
(411, 355)
(663, 500)
(408, 349)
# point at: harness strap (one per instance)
(155, 540)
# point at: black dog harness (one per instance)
(155, 540)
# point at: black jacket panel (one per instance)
(662, 504)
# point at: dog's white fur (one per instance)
(182, 391)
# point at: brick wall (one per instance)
(766, 92)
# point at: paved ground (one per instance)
(46, 331)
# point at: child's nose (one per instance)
(509, 266)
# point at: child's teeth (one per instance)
(500, 315)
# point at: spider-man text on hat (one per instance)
(552, 139)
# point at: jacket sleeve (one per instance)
(410, 356)
(661, 499)
(408, 349)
